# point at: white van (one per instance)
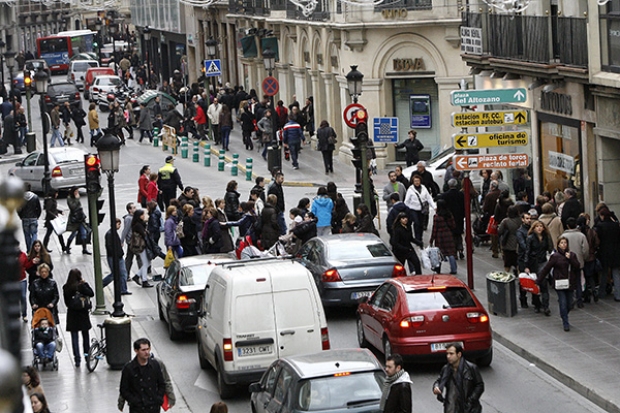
(77, 71)
(254, 312)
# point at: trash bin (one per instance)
(31, 142)
(273, 158)
(502, 293)
(118, 341)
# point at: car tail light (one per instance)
(415, 322)
(56, 172)
(477, 318)
(183, 302)
(325, 338)
(331, 276)
(399, 271)
(77, 96)
(95, 89)
(48, 99)
(228, 349)
(72, 76)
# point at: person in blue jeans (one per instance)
(44, 340)
(293, 136)
(109, 238)
(29, 214)
(55, 120)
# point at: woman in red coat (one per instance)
(152, 190)
(441, 237)
(143, 182)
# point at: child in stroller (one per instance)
(44, 339)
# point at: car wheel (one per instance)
(225, 390)
(173, 333)
(486, 360)
(387, 348)
(361, 338)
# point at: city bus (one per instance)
(57, 49)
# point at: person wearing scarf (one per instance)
(396, 396)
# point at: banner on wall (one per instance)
(420, 111)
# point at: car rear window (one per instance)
(68, 156)
(83, 66)
(356, 250)
(424, 300)
(195, 275)
(340, 392)
(114, 81)
(61, 88)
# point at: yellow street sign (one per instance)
(490, 140)
(489, 118)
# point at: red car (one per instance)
(417, 316)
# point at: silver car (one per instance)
(77, 71)
(347, 267)
(66, 166)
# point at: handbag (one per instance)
(136, 243)
(169, 258)
(492, 226)
(425, 206)
(331, 139)
(59, 224)
(562, 284)
(80, 302)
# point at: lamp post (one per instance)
(146, 32)
(269, 60)
(40, 80)
(98, 26)
(9, 56)
(2, 46)
(354, 82)
(211, 50)
(109, 148)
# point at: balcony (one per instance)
(249, 7)
(540, 43)
(405, 4)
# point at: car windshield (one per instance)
(195, 275)
(67, 156)
(110, 81)
(356, 250)
(60, 88)
(340, 392)
(424, 300)
(83, 66)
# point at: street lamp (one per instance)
(41, 82)
(269, 60)
(354, 82)
(211, 50)
(146, 32)
(2, 46)
(109, 148)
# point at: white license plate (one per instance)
(254, 350)
(360, 294)
(435, 347)
(75, 171)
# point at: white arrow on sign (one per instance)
(519, 95)
(462, 163)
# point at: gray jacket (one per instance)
(145, 122)
(577, 243)
(507, 232)
(126, 234)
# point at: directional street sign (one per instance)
(489, 118)
(505, 161)
(487, 97)
(213, 68)
(385, 130)
(490, 140)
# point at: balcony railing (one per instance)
(249, 7)
(405, 4)
(537, 39)
(321, 13)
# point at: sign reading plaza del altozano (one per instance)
(487, 97)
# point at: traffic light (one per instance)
(93, 173)
(27, 79)
(361, 127)
(100, 215)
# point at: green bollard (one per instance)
(248, 169)
(235, 165)
(196, 155)
(184, 148)
(156, 141)
(222, 152)
(207, 154)
(220, 163)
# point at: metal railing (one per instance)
(406, 4)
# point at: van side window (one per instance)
(389, 299)
(284, 382)
(375, 300)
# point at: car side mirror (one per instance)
(255, 388)
(363, 300)
(18, 164)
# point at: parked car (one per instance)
(104, 84)
(33, 66)
(90, 76)
(180, 292)
(438, 165)
(77, 71)
(61, 93)
(254, 312)
(347, 267)
(417, 317)
(66, 166)
(335, 381)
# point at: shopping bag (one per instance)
(426, 260)
(166, 404)
(59, 224)
(492, 227)
(169, 258)
(528, 282)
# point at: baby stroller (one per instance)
(37, 357)
(479, 227)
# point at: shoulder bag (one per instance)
(425, 206)
(80, 302)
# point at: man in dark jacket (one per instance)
(29, 214)
(456, 204)
(396, 396)
(413, 148)
(9, 134)
(293, 136)
(572, 207)
(142, 380)
(397, 206)
(276, 189)
(427, 179)
(111, 237)
(461, 381)
(168, 181)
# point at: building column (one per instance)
(282, 74)
(317, 97)
(328, 105)
(344, 152)
(299, 87)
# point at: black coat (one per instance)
(276, 189)
(399, 400)
(227, 243)
(365, 224)
(455, 200)
(470, 384)
(323, 135)
(44, 292)
(608, 233)
(78, 115)
(232, 205)
(270, 229)
(306, 230)
(401, 241)
(190, 232)
(413, 148)
(77, 320)
(536, 251)
(143, 387)
(212, 240)
(572, 208)
(397, 208)
(51, 209)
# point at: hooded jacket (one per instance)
(322, 207)
(31, 208)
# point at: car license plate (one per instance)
(254, 350)
(435, 347)
(360, 294)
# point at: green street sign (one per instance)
(487, 97)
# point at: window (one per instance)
(196, 275)
(284, 382)
(389, 299)
(350, 250)
(340, 392)
(375, 300)
(423, 300)
(30, 160)
(610, 36)
(270, 380)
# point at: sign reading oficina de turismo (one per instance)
(490, 140)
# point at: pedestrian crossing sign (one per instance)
(385, 130)
(213, 67)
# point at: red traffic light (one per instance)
(92, 162)
(361, 115)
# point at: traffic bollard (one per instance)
(156, 141)
(235, 165)
(220, 163)
(207, 154)
(184, 148)
(196, 155)
(248, 169)
(156, 138)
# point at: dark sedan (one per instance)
(180, 292)
(61, 93)
(347, 267)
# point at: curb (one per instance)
(565, 379)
